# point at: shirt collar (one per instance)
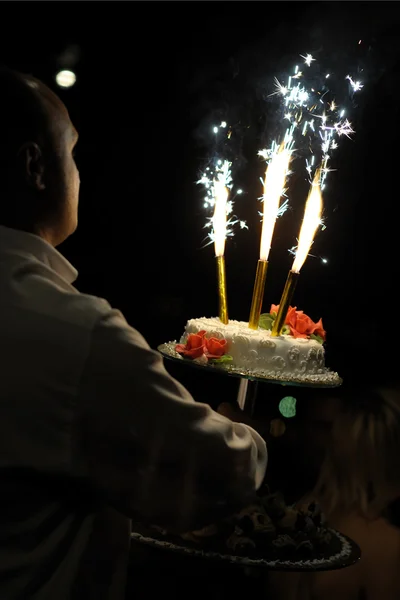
(21, 242)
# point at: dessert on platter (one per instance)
(266, 533)
(297, 355)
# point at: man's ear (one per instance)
(30, 159)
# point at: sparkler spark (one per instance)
(274, 185)
(219, 221)
(279, 88)
(356, 85)
(308, 59)
(309, 111)
(311, 222)
(218, 184)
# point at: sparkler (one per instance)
(274, 185)
(218, 183)
(311, 222)
(217, 180)
(312, 112)
(220, 173)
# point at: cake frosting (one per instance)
(287, 357)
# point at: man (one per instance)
(91, 424)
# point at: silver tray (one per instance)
(345, 554)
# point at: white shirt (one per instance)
(90, 418)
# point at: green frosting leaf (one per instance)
(286, 330)
(317, 338)
(225, 358)
(266, 321)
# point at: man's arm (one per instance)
(149, 447)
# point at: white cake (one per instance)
(258, 353)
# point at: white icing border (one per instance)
(327, 378)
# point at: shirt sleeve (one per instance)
(149, 447)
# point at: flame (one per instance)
(274, 185)
(219, 219)
(311, 222)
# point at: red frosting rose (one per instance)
(194, 347)
(319, 330)
(215, 348)
(300, 325)
(198, 345)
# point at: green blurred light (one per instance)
(287, 407)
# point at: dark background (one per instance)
(151, 76)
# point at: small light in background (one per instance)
(239, 192)
(324, 260)
(277, 428)
(287, 407)
(66, 79)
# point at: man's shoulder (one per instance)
(34, 293)
(82, 310)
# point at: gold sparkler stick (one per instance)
(258, 293)
(223, 302)
(274, 185)
(311, 221)
(284, 304)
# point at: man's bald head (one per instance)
(36, 142)
(23, 114)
